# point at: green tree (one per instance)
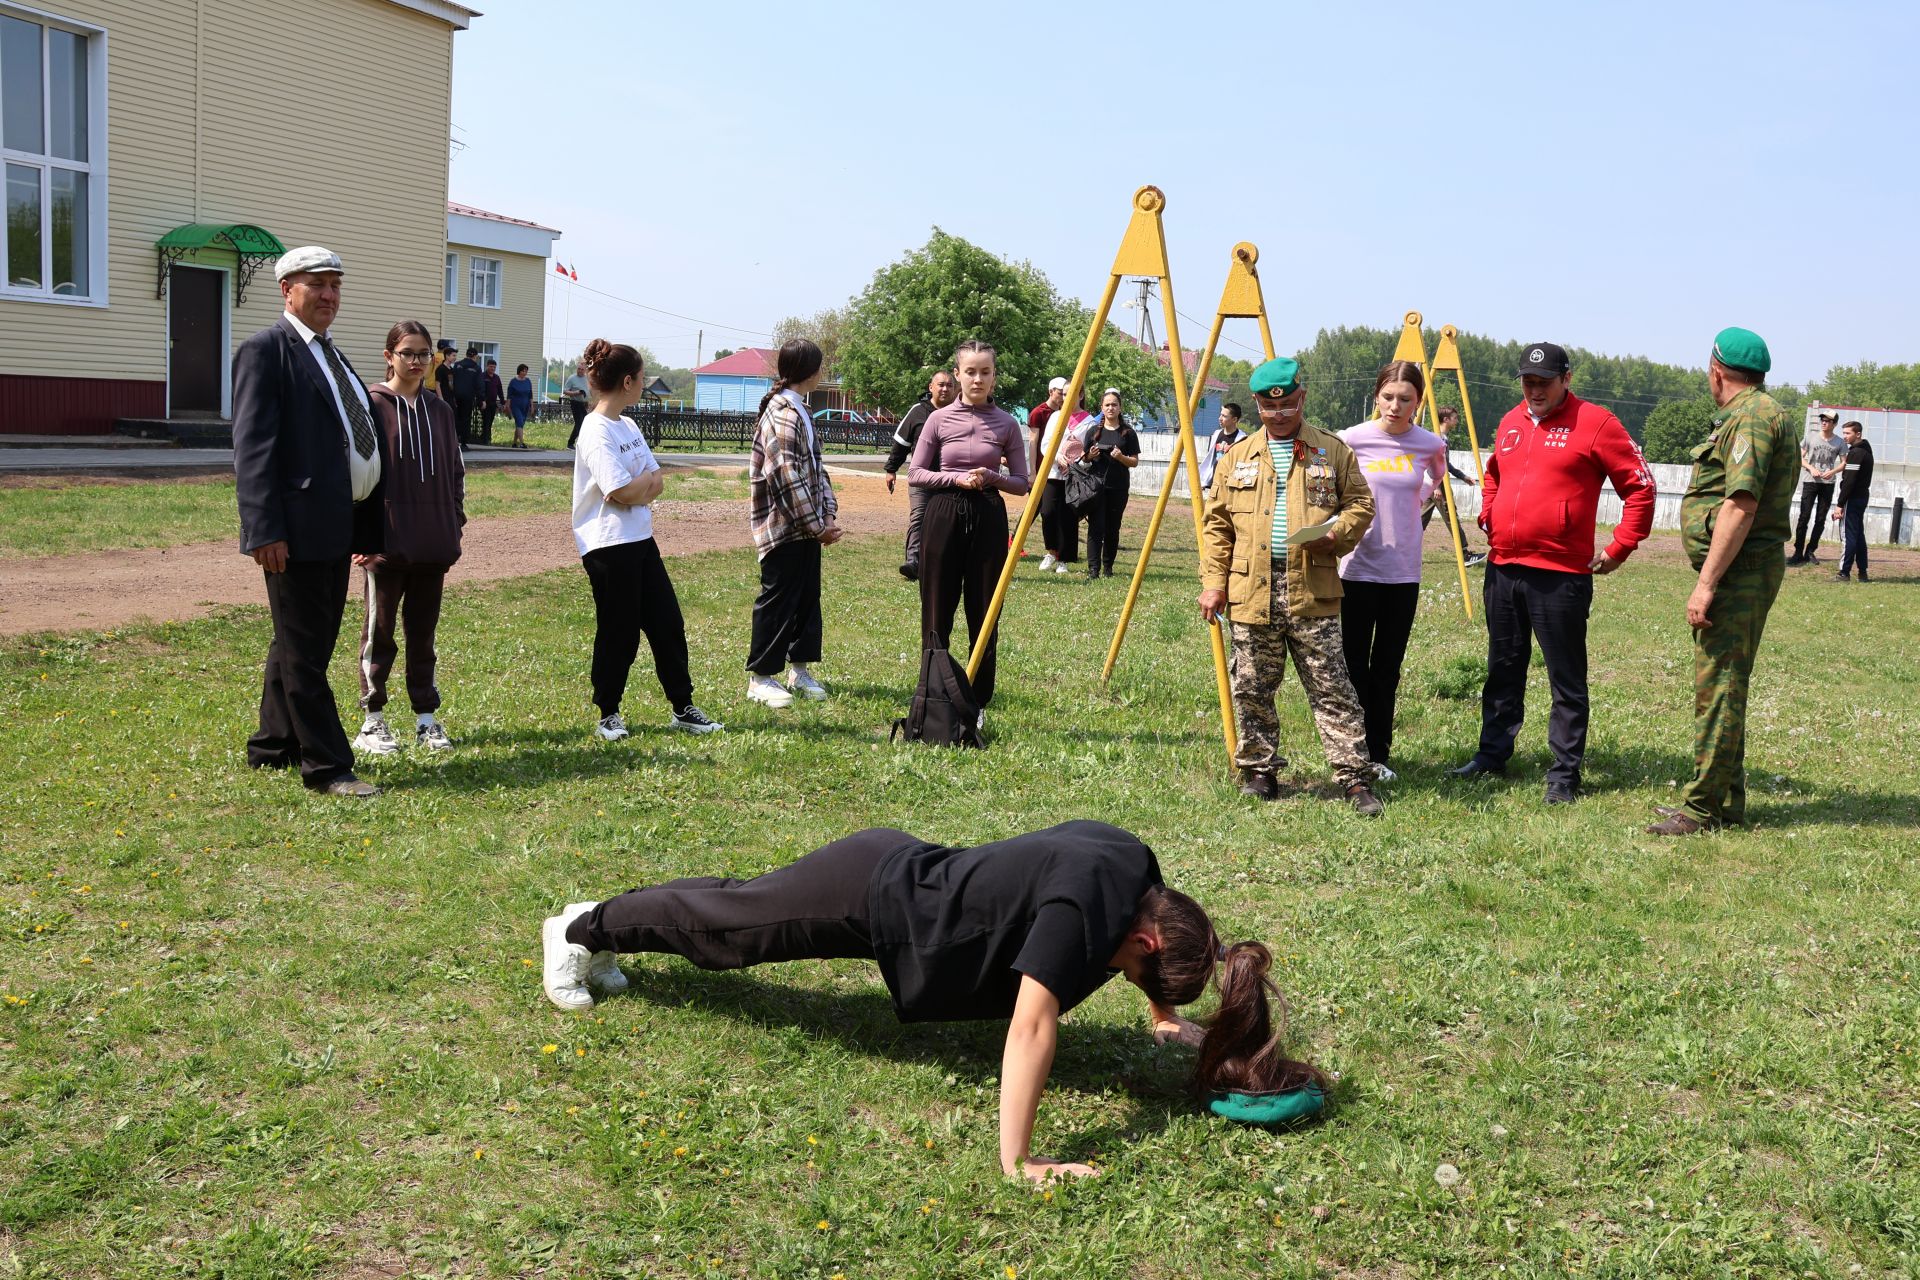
(1674, 428)
(1870, 385)
(824, 328)
(1118, 361)
(723, 353)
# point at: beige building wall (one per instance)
(208, 121)
(517, 324)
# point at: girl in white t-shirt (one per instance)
(615, 480)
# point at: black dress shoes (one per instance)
(1475, 767)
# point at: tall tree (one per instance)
(1870, 385)
(1674, 428)
(824, 328)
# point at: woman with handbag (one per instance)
(1113, 451)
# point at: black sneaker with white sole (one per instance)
(691, 719)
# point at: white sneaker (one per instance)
(1047, 562)
(603, 967)
(691, 719)
(613, 728)
(1061, 568)
(769, 691)
(375, 738)
(432, 734)
(980, 723)
(1383, 773)
(800, 682)
(564, 975)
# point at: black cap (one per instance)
(1543, 360)
(446, 344)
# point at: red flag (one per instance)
(573, 273)
(559, 266)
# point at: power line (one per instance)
(711, 324)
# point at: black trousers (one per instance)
(1523, 605)
(786, 616)
(1375, 620)
(1853, 525)
(813, 909)
(1103, 528)
(916, 521)
(632, 594)
(579, 408)
(1815, 501)
(299, 720)
(407, 597)
(463, 419)
(1059, 523)
(487, 413)
(964, 547)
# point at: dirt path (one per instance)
(105, 589)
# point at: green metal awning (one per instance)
(253, 246)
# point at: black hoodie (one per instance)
(426, 489)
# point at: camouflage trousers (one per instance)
(1254, 672)
(1722, 669)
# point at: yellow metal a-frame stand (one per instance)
(1143, 252)
(1446, 355)
(1241, 299)
(1412, 347)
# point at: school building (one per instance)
(496, 287)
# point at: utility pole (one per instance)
(1143, 332)
(699, 345)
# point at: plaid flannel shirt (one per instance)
(791, 496)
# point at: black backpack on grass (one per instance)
(944, 710)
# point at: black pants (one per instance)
(1853, 525)
(1375, 620)
(916, 521)
(965, 547)
(299, 720)
(813, 909)
(1103, 529)
(1815, 500)
(407, 597)
(632, 594)
(579, 408)
(1523, 605)
(786, 617)
(487, 413)
(1059, 523)
(463, 419)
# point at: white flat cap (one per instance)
(308, 257)
(1058, 384)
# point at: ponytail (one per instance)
(798, 360)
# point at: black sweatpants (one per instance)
(786, 616)
(963, 549)
(1059, 523)
(1375, 620)
(1525, 604)
(632, 594)
(1103, 528)
(1853, 529)
(299, 720)
(407, 596)
(463, 419)
(1815, 499)
(813, 909)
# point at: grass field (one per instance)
(249, 1033)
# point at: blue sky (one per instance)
(1626, 177)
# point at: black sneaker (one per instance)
(1261, 785)
(910, 571)
(1364, 802)
(691, 719)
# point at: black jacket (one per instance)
(290, 454)
(426, 488)
(1857, 477)
(467, 379)
(907, 434)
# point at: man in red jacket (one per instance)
(1540, 496)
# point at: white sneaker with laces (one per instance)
(603, 967)
(1047, 562)
(691, 719)
(801, 683)
(1061, 568)
(375, 738)
(765, 689)
(1384, 774)
(432, 734)
(564, 974)
(613, 728)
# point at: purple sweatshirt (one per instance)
(1403, 471)
(961, 437)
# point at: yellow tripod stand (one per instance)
(1412, 347)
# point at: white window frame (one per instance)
(453, 280)
(485, 270)
(488, 351)
(94, 167)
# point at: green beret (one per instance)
(1270, 1109)
(1742, 349)
(1279, 376)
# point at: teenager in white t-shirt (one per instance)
(615, 480)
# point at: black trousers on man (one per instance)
(299, 720)
(964, 547)
(632, 595)
(1059, 523)
(488, 411)
(786, 616)
(579, 408)
(1103, 529)
(463, 419)
(1525, 604)
(1376, 618)
(813, 909)
(1815, 500)
(1853, 526)
(916, 523)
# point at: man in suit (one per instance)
(307, 462)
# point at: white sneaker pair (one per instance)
(1047, 562)
(772, 693)
(571, 973)
(376, 738)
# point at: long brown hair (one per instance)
(1401, 371)
(799, 359)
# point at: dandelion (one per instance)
(579, 1053)
(812, 1141)
(573, 1111)
(929, 1144)
(679, 1151)
(549, 1048)
(125, 923)
(87, 888)
(823, 1225)
(479, 1153)
(1012, 1271)
(526, 963)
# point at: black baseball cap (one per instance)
(1543, 360)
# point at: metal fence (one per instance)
(704, 427)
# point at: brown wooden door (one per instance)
(196, 341)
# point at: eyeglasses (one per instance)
(416, 357)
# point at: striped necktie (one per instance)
(356, 412)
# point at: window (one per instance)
(52, 94)
(484, 289)
(453, 275)
(489, 351)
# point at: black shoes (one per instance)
(1364, 802)
(1562, 792)
(1263, 786)
(1475, 767)
(910, 571)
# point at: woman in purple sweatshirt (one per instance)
(426, 489)
(964, 535)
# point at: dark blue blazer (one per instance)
(290, 454)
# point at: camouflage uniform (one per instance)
(1752, 450)
(1259, 663)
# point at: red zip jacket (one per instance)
(1542, 487)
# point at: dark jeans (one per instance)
(1059, 523)
(299, 720)
(406, 596)
(1103, 529)
(965, 549)
(786, 617)
(632, 594)
(579, 408)
(1853, 524)
(1523, 605)
(488, 412)
(1375, 620)
(813, 909)
(1815, 499)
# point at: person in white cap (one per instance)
(307, 462)
(1059, 527)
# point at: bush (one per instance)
(1674, 428)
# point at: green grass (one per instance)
(63, 519)
(250, 1033)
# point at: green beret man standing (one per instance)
(1281, 597)
(1734, 524)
